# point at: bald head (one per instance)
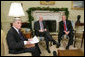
(40, 18)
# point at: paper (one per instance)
(34, 40)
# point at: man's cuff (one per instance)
(25, 42)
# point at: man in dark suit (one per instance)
(41, 30)
(16, 41)
(65, 27)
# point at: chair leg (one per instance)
(75, 39)
(75, 42)
(82, 40)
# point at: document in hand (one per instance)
(34, 40)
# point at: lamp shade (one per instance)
(16, 10)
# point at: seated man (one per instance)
(16, 41)
(41, 30)
(65, 27)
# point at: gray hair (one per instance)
(63, 15)
(16, 19)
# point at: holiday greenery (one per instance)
(30, 10)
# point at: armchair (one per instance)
(4, 47)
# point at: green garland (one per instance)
(31, 18)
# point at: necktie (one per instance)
(21, 36)
(64, 27)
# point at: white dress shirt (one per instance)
(41, 25)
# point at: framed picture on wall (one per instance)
(77, 5)
(47, 2)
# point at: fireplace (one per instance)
(51, 18)
(51, 25)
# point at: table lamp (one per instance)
(16, 10)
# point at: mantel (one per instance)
(32, 9)
(48, 15)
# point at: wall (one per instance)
(6, 20)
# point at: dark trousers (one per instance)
(38, 47)
(33, 50)
(71, 35)
(47, 38)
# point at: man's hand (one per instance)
(45, 29)
(28, 42)
(41, 30)
(66, 32)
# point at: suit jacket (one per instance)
(14, 42)
(37, 27)
(68, 24)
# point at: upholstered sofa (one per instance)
(4, 47)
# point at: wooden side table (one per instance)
(76, 52)
(28, 35)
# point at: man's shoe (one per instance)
(54, 53)
(40, 52)
(58, 45)
(48, 50)
(67, 47)
(54, 43)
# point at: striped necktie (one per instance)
(64, 27)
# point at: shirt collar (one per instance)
(64, 21)
(16, 29)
